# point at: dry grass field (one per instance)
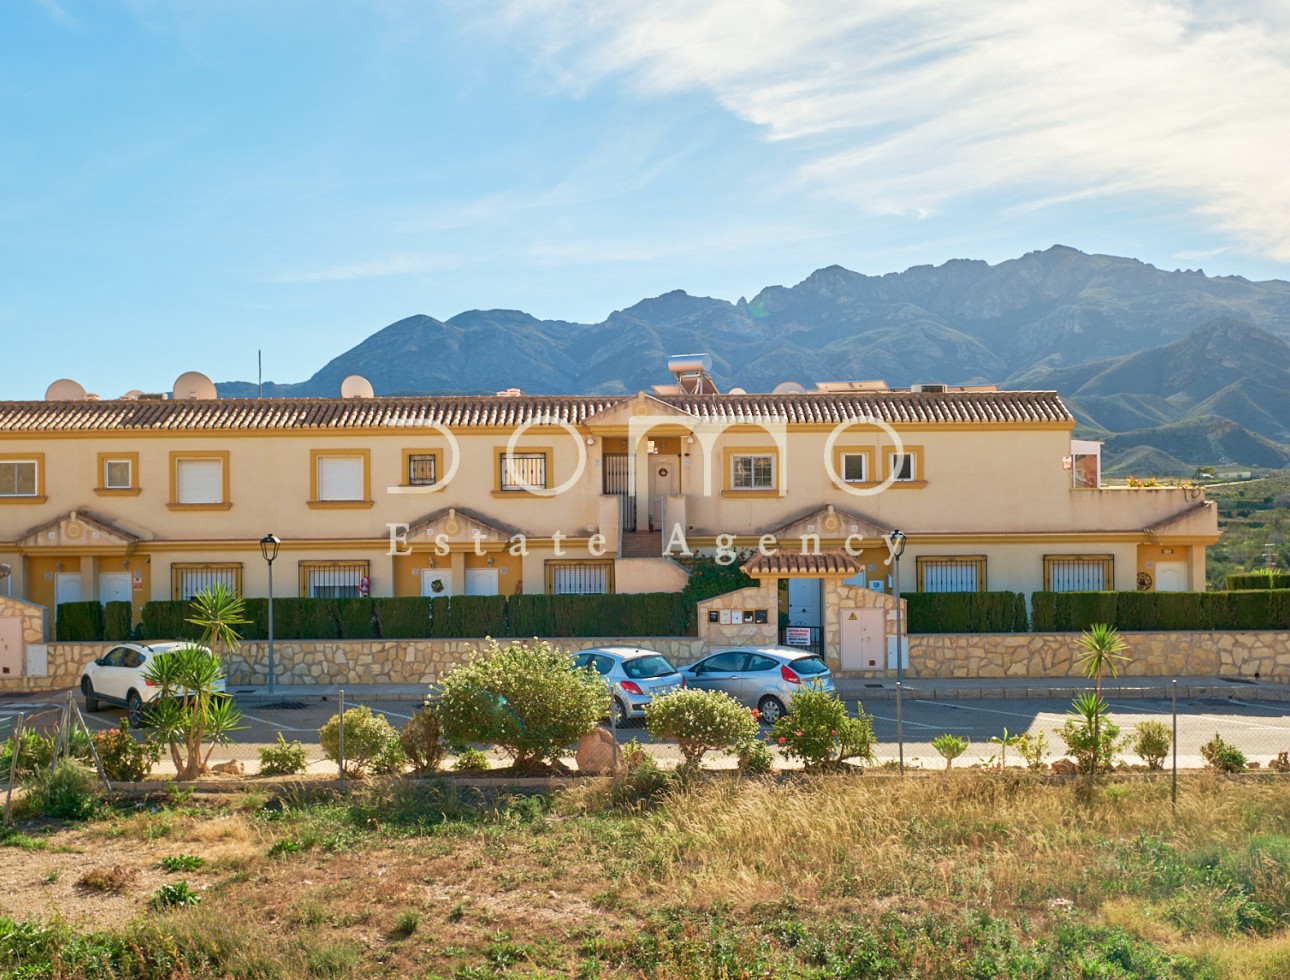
(966, 874)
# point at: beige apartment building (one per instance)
(145, 498)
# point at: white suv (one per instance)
(117, 677)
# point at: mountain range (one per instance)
(1170, 369)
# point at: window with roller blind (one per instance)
(199, 481)
(340, 478)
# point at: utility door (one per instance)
(864, 638)
(115, 587)
(664, 481)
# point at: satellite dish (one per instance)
(133, 395)
(737, 391)
(193, 385)
(788, 388)
(65, 390)
(356, 386)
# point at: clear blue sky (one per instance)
(185, 181)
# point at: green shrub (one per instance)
(181, 862)
(118, 620)
(168, 621)
(173, 896)
(950, 747)
(529, 615)
(1259, 580)
(404, 617)
(1152, 741)
(468, 616)
(472, 760)
(966, 612)
(700, 721)
(77, 622)
(283, 759)
(526, 698)
(390, 761)
(1223, 756)
(818, 731)
(1090, 735)
(640, 782)
(36, 751)
(754, 756)
(366, 737)
(1033, 747)
(69, 791)
(422, 740)
(125, 759)
(355, 619)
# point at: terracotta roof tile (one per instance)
(473, 411)
(795, 563)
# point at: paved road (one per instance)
(1261, 729)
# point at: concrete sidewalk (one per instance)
(955, 689)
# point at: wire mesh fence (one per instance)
(1201, 725)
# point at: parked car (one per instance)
(119, 677)
(764, 678)
(635, 676)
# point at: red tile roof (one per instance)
(796, 563)
(472, 411)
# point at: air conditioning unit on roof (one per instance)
(928, 389)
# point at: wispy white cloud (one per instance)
(57, 14)
(379, 268)
(913, 106)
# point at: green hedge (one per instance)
(649, 614)
(1251, 609)
(79, 622)
(118, 620)
(1259, 580)
(966, 612)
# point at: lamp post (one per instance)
(896, 545)
(269, 545)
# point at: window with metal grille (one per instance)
(340, 478)
(332, 579)
(18, 478)
(1079, 573)
(523, 471)
(752, 472)
(199, 481)
(188, 580)
(579, 577)
(422, 470)
(951, 574)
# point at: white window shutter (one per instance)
(199, 481)
(340, 478)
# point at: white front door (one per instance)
(1171, 576)
(481, 581)
(115, 587)
(67, 587)
(664, 481)
(436, 581)
(804, 602)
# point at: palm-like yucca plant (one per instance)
(950, 747)
(1102, 646)
(190, 713)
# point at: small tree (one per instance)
(189, 712)
(1152, 741)
(1090, 735)
(526, 698)
(950, 747)
(819, 731)
(700, 721)
(1102, 646)
(1004, 741)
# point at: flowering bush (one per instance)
(818, 730)
(526, 698)
(367, 737)
(125, 759)
(699, 721)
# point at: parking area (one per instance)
(1261, 729)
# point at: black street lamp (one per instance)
(269, 545)
(896, 545)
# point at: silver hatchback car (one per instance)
(635, 676)
(764, 678)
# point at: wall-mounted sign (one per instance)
(797, 636)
